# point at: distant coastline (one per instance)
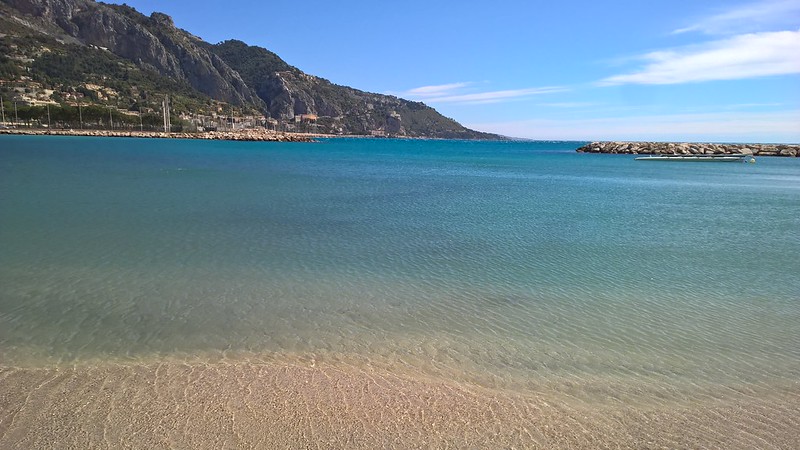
(690, 148)
(249, 134)
(243, 135)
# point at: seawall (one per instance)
(242, 135)
(686, 148)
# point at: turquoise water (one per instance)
(518, 265)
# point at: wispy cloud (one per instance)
(568, 104)
(727, 126)
(497, 96)
(464, 92)
(767, 15)
(438, 90)
(744, 56)
(752, 105)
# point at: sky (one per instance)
(675, 70)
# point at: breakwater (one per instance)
(242, 135)
(685, 148)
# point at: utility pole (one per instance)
(16, 116)
(167, 122)
(141, 124)
(3, 110)
(48, 116)
(110, 119)
(80, 114)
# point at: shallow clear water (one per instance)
(517, 265)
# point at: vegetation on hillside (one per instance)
(65, 75)
(53, 61)
(288, 91)
(90, 116)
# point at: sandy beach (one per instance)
(273, 405)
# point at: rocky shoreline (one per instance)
(243, 135)
(685, 148)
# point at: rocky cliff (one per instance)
(672, 148)
(231, 72)
(152, 42)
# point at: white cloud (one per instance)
(496, 96)
(752, 105)
(759, 16)
(744, 56)
(438, 90)
(568, 104)
(780, 126)
(459, 93)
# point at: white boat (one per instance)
(698, 158)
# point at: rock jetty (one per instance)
(242, 135)
(684, 148)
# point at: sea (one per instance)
(394, 293)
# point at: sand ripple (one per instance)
(247, 405)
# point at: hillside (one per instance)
(289, 92)
(69, 52)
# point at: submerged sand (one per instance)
(274, 405)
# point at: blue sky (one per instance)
(711, 70)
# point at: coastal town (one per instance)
(35, 112)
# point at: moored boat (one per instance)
(698, 158)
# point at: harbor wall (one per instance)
(685, 148)
(243, 135)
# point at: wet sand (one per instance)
(273, 405)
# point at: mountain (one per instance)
(289, 92)
(57, 50)
(149, 42)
